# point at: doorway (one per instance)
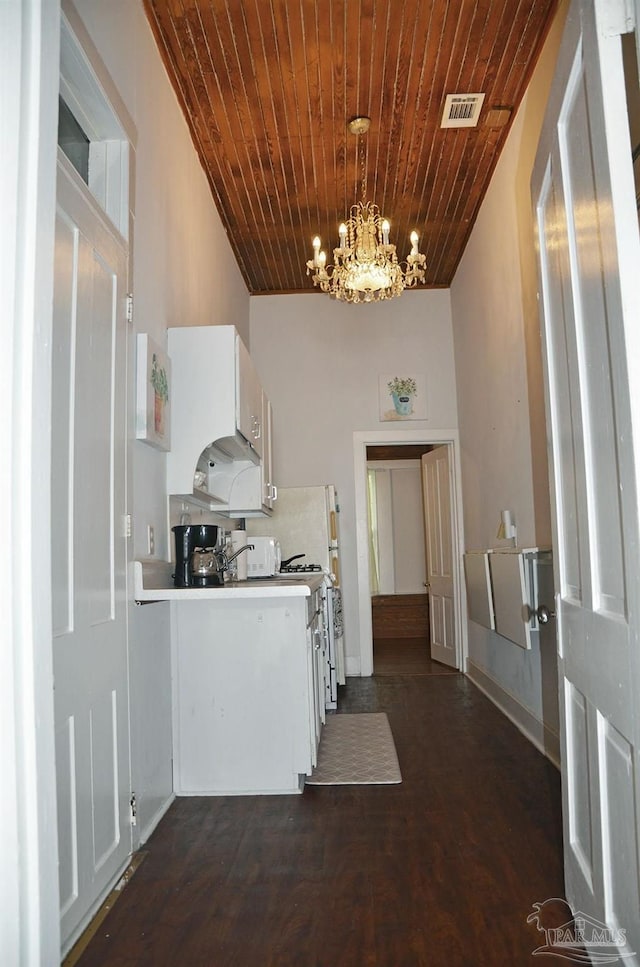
(89, 379)
(399, 600)
(405, 440)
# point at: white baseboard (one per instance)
(149, 827)
(352, 667)
(545, 739)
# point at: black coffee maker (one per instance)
(190, 538)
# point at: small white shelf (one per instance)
(504, 587)
(479, 596)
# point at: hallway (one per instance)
(441, 870)
(405, 657)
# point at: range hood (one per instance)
(231, 448)
(208, 479)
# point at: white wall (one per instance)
(319, 362)
(500, 391)
(184, 273)
(408, 530)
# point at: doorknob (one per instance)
(544, 615)
(427, 586)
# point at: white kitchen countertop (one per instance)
(152, 581)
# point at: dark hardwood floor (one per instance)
(441, 870)
(406, 656)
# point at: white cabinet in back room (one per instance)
(221, 446)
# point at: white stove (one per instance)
(331, 618)
(294, 569)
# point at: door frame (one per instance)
(87, 86)
(361, 440)
(29, 67)
(29, 73)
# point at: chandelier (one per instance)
(366, 267)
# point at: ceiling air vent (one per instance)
(461, 110)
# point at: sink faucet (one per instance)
(227, 559)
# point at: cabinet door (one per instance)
(320, 675)
(248, 398)
(240, 693)
(316, 684)
(253, 494)
(269, 490)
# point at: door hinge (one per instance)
(127, 526)
(129, 307)
(133, 810)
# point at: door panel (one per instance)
(592, 385)
(89, 552)
(593, 482)
(436, 480)
(617, 766)
(104, 777)
(579, 787)
(66, 260)
(68, 873)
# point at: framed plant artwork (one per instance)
(153, 394)
(402, 397)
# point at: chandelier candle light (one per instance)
(366, 267)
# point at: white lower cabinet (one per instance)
(245, 696)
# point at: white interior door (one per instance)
(89, 551)
(436, 480)
(589, 311)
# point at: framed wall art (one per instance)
(153, 394)
(402, 397)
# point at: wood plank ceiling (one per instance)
(268, 87)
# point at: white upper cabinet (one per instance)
(217, 423)
(248, 398)
(253, 492)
